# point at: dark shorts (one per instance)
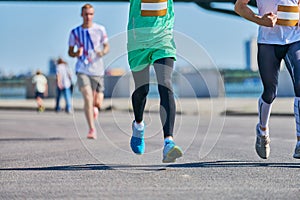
(39, 94)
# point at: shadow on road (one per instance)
(30, 139)
(212, 164)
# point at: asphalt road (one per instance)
(47, 156)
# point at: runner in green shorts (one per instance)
(151, 42)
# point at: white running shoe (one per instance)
(262, 145)
(92, 134)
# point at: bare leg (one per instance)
(98, 99)
(88, 105)
(39, 101)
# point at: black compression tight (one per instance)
(269, 59)
(163, 70)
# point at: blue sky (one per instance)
(34, 32)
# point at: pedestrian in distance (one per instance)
(151, 42)
(63, 83)
(89, 43)
(40, 85)
(278, 39)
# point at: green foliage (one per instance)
(238, 75)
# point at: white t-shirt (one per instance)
(278, 34)
(40, 82)
(65, 75)
(90, 39)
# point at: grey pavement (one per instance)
(47, 156)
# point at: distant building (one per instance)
(52, 67)
(251, 54)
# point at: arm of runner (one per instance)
(241, 8)
(73, 54)
(104, 51)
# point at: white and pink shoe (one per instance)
(92, 134)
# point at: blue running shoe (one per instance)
(137, 142)
(171, 152)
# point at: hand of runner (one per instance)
(100, 53)
(268, 19)
(79, 52)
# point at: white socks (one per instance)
(264, 112)
(139, 126)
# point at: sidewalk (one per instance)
(189, 106)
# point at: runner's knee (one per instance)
(141, 92)
(269, 96)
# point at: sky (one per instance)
(34, 32)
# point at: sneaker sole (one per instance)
(262, 152)
(297, 156)
(92, 137)
(172, 155)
